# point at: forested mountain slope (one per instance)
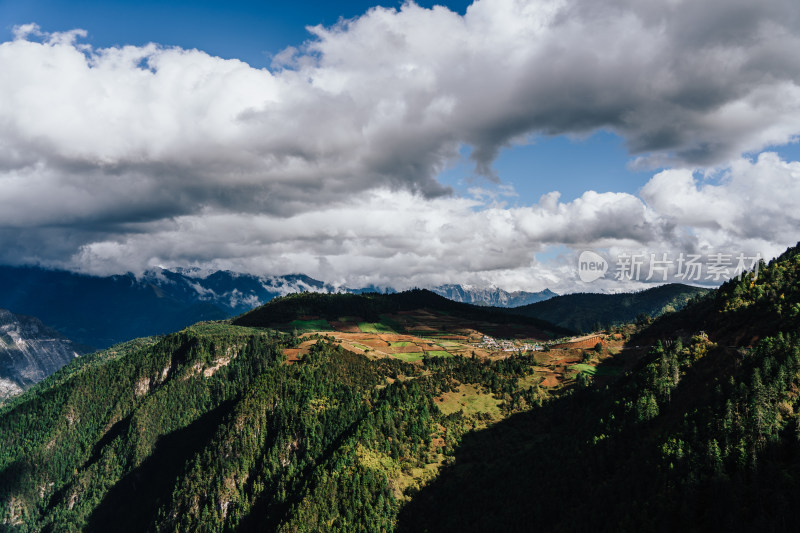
(704, 435)
(592, 311)
(374, 307)
(215, 428)
(212, 428)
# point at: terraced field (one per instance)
(413, 335)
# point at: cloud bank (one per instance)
(121, 158)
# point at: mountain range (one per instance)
(87, 311)
(313, 413)
(491, 296)
(101, 311)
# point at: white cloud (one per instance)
(399, 239)
(387, 238)
(751, 204)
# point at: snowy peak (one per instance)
(492, 296)
(101, 311)
(233, 292)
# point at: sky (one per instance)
(402, 144)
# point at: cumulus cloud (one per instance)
(119, 158)
(399, 239)
(751, 203)
(389, 238)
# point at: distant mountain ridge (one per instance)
(101, 311)
(234, 292)
(372, 307)
(29, 352)
(492, 296)
(586, 311)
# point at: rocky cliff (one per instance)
(29, 352)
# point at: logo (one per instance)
(591, 266)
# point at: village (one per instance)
(505, 345)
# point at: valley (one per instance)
(558, 361)
(361, 412)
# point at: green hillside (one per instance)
(586, 312)
(214, 428)
(211, 429)
(372, 307)
(703, 436)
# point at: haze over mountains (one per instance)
(101, 311)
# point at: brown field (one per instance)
(550, 380)
(585, 342)
(292, 355)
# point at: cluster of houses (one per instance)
(490, 343)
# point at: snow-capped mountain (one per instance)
(233, 292)
(491, 296)
(101, 311)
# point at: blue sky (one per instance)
(405, 147)
(248, 30)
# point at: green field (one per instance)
(374, 327)
(596, 371)
(304, 326)
(529, 380)
(390, 322)
(438, 353)
(471, 400)
(448, 344)
(409, 357)
(402, 344)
